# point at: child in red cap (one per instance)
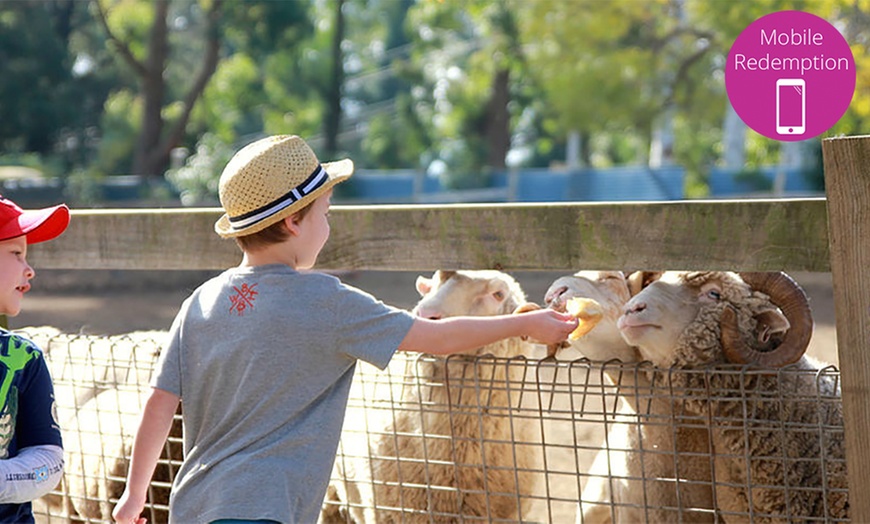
(31, 452)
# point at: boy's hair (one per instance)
(274, 234)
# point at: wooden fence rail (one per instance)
(831, 234)
(738, 234)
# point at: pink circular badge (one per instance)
(790, 75)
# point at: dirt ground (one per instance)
(118, 303)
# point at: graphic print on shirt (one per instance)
(243, 298)
(12, 361)
(7, 423)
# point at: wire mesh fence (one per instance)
(505, 440)
(487, 439)
(100, 387)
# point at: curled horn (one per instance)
(794, 304)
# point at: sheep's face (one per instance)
(655, 319)
(474, 293)
(678, 318)
(610, 290)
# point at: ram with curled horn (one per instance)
(730, 348)
(782, 339)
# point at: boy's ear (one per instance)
(292, 224)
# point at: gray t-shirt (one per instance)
(263, 359)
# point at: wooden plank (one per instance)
(137, 239)
(847, 182)
(738, 235)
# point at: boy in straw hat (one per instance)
(263, 355)
(31, 452)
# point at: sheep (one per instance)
(97, 442)
(82, 366)
(771, 460)
(610, 289)
(604, 343)
(448, 451)
(638, 443)
(100, 384)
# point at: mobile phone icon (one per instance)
(791, 106)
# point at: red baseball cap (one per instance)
(38, 224)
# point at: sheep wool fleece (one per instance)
(263, 359)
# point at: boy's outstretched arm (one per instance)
(147, 446)
(454, 334)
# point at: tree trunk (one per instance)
(154, 145)
(333, 103)
(153, 89)
(733, 139)
(497, 126)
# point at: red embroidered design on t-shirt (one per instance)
(243, 299)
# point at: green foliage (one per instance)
(131, 21)
(197, 181)
(755, 179)
(469, 56)
(421, 77)
(461, 169)
(30, 160)
(396, 142)
(119, 125)
(260, 28)
(293, 92)
(728, 19)
(814, 171)
(264, 85)
(760, 150)
(83, 188)
(598, 62)
(229, 106)
(38, 94)
(697, 147)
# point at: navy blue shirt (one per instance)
(27, 417)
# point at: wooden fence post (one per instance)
(847, 184)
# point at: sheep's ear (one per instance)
(771, 324)
(526, 307)
(639, 280)
(444, 275)
(424, 285)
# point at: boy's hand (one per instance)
(548, 326)
(128, 510)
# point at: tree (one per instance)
(854, 18)
(42, 99)
(333, 95)
(271, 78)
(609, 66)
(469, 56)
(158, 137)
(382, 87)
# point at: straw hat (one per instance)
(38, 224)
(269, 180)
